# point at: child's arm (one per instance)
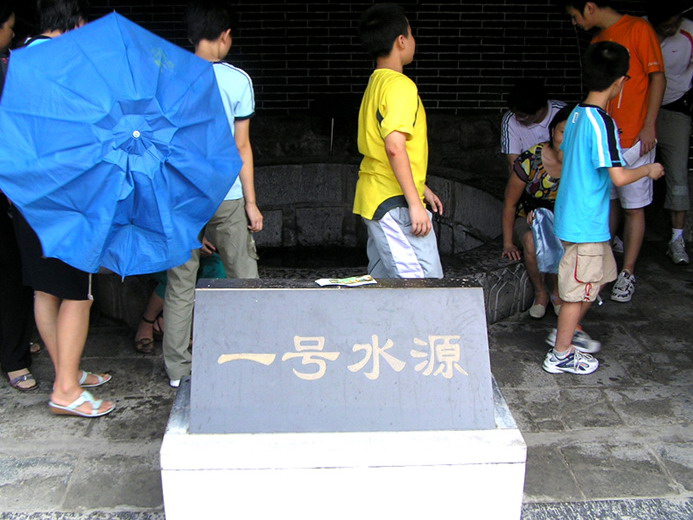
(621, 176)
(396, 148)
(648, 136)
(247, 174)
(433, 201)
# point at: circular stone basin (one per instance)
(310, 232)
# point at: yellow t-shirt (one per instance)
(390, 103)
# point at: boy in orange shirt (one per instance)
(635, 112)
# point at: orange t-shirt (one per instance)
(630, 108)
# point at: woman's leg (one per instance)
(63, 325)
(541, 296)
(46, 308)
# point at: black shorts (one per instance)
(48, 275)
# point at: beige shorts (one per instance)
(583, 270)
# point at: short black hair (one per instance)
(562, 115)
(6, 10)
(579, 5)
(604, 63)
(527, 96)
(61, 15)
(658, 11)
(380, 26)
(207, 19)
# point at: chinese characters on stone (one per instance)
(439, 355)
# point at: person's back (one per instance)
(230, 229)
(390, 103)
(393, 140)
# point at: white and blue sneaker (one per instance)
(574, 363)
(581, 341)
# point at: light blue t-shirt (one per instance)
(236, 89)
(590, 147)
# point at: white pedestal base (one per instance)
(430, 474)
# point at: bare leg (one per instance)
(633, 235)
(154, 307)
(63, 325)
(541, 296)
(678, 219)
(572, 313)
(614, 216)
(46, 307)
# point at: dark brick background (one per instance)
(306, 56)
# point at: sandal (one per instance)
(71, 409)
(14, 382)
(157, 330)
(100, 379)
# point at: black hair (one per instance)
(61, 15)
(6, 10)
(527, 97)
(207, 19)
(658, 11)
(380, 26)
(579, 5)
(562, 115)
(604, 63)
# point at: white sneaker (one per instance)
(623, 288)
(677, 251)
(581, 341)
(574, 363)
(174, 383)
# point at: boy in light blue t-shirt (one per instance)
(592, 160)
(230, 229)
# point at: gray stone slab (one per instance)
(349, 383)
(298, 184)
(320, 226)
(34, 483)
(37, 423)
(653, 405)
(659, 367)
(111, 482)
(544, 409)
(604, 471)
(92, 515)
(548, 476)
(678, 459)
(647, 509)
(137, 418)
(522, 369)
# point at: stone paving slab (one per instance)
(651, 509)
(617, 444)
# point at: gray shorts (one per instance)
(395, 252)
(673, 133)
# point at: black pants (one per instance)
(16, 300)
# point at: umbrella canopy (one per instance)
(115, 147)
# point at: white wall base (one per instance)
(441, 474)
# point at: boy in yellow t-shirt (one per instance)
(392, 138)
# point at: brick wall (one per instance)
(306, 55)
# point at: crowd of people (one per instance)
(587, 163)
(647, 113)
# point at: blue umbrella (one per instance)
(115, 147)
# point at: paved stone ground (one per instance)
(617, 444)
